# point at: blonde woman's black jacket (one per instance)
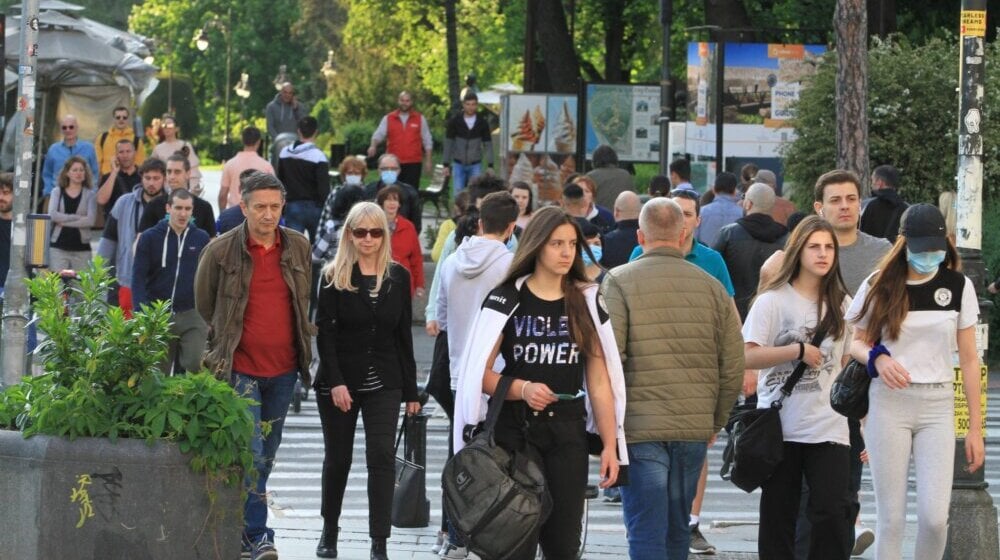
(353, 334)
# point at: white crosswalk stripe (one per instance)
(295, 481)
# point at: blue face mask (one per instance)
(598, 253)
(389, 177)
(925, 263)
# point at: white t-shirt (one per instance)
(928, 337)
(781, 317)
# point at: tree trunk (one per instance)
(851, 26)
(451, 40)
(614, 39)
(561, 64)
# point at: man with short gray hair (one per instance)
(682, 351)
(252, 288)
(748, 242)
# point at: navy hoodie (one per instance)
(156, 265)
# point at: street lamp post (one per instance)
(202, 42)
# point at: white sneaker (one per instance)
(452, 552)
(442, 539)
(863, 538)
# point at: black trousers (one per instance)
(561, 443)
(409, 173)
(380, 410)
(826, 469)
(803, 530)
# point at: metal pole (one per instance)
(720, 106)
(229, 60)
(973, 530)
(666, 85)
(16, 303)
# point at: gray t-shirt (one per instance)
(859, 259)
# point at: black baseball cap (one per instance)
(589, 230)
(924, 229)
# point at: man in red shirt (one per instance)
(408, 137)
(252, 288)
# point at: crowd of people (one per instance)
(639, 322)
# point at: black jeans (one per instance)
(381, 416)
(826, 469)
(803, 529)
(561, 443)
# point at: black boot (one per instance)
(327, 547)
(378, 549)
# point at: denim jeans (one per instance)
(663, 480)
(273, 395)
(462, 173)
(303, 216)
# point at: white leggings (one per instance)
(919, 419)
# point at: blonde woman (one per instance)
(366, 365)
(170, 142)
(73, 208)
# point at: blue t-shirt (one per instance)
(705, 258)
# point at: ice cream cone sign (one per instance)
(525, 138)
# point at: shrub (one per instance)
(102, 379)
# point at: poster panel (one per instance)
(625, 117)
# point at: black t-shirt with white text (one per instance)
(537, 347)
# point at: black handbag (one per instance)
(757, 439)
(410, 506)
(849, 392)
(496, 500)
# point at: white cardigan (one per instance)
(470, 401)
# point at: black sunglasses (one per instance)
(361, 233)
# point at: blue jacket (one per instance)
(56, 157)
(156, 267)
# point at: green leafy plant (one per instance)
(102, 379)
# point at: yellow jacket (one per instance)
(106, 143)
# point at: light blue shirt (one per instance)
(56, 157)
(705, 258)
(721, 212)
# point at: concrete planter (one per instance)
(90, 498)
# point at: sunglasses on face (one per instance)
(68, 127)
(361, 233)
(121, 117)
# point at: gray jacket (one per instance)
(282, 117)
(83, 219)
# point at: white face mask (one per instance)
(352, 179)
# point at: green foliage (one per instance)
(102, 379)
(356, 136)
(185, 108)
(912, 108)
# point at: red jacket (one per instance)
(406, 251)
(404, 141)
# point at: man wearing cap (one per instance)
(782, 207)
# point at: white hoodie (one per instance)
(467, 276)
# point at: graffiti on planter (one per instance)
(106, 497)
(81, 495)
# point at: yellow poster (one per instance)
(962, 406)
(973, 23)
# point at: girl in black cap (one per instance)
(909, 317)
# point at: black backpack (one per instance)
(496, 500)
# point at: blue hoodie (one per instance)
(158, 273)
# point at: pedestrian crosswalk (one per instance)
(295, 480)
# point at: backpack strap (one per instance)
(496, 403)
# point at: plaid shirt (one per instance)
(327, 232)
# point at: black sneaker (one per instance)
(264, 549)
(699, 545)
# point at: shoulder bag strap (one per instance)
(399, 436)
(496, 403)
(800, 370)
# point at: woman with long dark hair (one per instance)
(73, 208)
(909, 318)
(366, 366)
(556, 341)
(805, 297)
(525, 198)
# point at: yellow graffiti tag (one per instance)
(81, 495)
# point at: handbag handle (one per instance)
(399, 435)
(496, 403)
(800, 370)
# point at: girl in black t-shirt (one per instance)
(549, 344)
